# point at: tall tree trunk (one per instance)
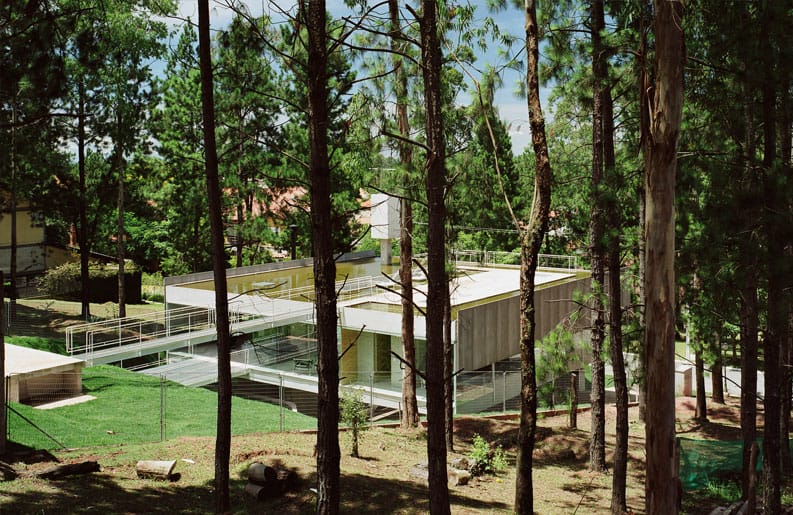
(197, 213)
(82, 235)
(437, 287)
(12, 291)
(749, 313)
(239, 245)
(640, 309)
(717, 378)
(786, 388)
(642, 24)
(328, 453)
(597, 248)
(122, 293)
(613, 180)
(619, 480)
(3, 393)
(661, 487)
(223, 436)
(701, 410)
(776, 324)
(531, 241)
(410, 410)
(785, 401)
(448, 365)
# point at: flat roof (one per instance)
(479, 285)
(23, 360)
(472, 283)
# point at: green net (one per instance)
(711, 461)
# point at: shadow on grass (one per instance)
(17, 452)
(719, 414)
(497, 432)
(40, 322)
(362, 494)
(100, 493)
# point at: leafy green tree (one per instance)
(477, 202)
(32, 81)
(125, 78)
(177, 190)
(248, 130)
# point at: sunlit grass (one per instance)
(127, 409)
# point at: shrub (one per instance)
(354, 414)
(63, 282)
(486, 460)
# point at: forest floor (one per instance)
(379, 481)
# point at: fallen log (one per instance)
(157, 470)
(68, 469)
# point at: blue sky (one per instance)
(513, 110)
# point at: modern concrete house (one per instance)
(272, 322)
(485, 313)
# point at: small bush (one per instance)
(725, 491)
(64, 282)
(486, 460)
(354, 414)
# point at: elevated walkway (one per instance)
(194, 370)
(116, 340)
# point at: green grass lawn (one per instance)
(127, 409)
(56, 345)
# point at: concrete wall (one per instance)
(491, 332)
(54, 384)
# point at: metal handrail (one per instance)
(130, 330)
